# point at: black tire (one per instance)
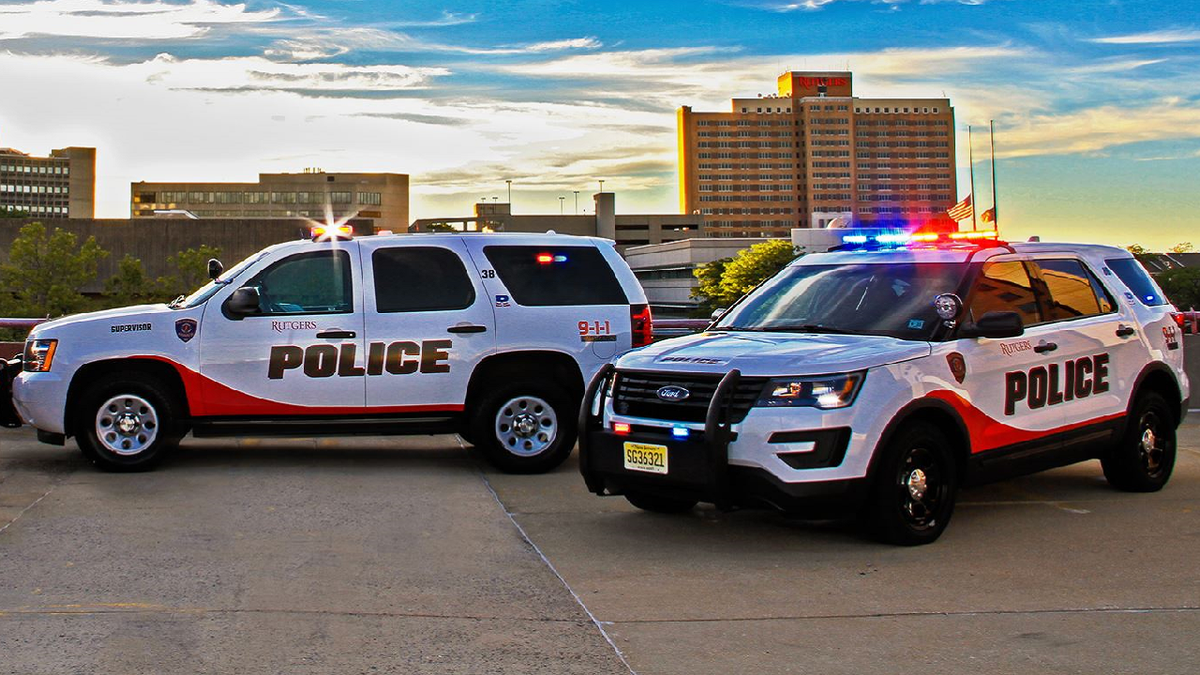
(915, 486)
(157, 428)
(659, 504)
(1143, 459)
(512, 450)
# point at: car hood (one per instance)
(782, 354)
(119, 315)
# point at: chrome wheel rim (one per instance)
(1151, 444)
(126, 425)
(922, 489)
(526, 425)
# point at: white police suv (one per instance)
(489, 335)
(884, 375)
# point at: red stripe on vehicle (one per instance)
(989, 434)
(208, 398)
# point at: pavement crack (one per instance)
(31, 505)
(553, 570)
(914, 614)
(140, 608)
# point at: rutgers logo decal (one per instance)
(958, 366)
(185, 329)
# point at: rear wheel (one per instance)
(127, 424)
(913, 496)
(527, 426)
(1143, 459)
(659, 504)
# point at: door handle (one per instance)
(470, 328)
(1043, 347)
(1125, 331)
(337, 333)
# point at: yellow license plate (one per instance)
(646, 457)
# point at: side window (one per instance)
(306, 283)
(541, 276)
(1004, 287)
(1073, 291)
(1138, 280)
(420, 279)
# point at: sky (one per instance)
(1096, 103)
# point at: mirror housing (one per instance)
(215, 268)
(242, 302)
(994, 325)
(717, 313)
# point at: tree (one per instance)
(752, 266)
(47, 272)
(723, 281)
(1181, 285)
(191, 270)
(1182, 247)
(130, 285)
(1136, 249)
(708, 292)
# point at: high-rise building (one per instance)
(62, 185)
(382, 197)
(813, 154)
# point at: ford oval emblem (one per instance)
(673, 393)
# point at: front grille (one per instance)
(636, 394)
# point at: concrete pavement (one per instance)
(401, 555)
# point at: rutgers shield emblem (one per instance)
(185, 329)
(958, 366)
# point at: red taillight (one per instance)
(621, 428)
(642, 324)
(1180, 319)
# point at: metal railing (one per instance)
(21, 323)
(668, 328)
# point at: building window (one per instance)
(371, 198)
(339, 197)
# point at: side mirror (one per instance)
(215, 268)
(242, 302)
(994, 325)
(717, 313)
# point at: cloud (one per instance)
(1098, 128)
(811, 5)
(155, 20)
(1158, 37)
(258, 73)
(448, 18)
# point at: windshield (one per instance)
(206, 291)
(893, 299)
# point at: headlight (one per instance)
(39, 355)
(824, 392)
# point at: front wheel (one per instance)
(1144, 457)
(127, 425)
(913, 495)
(527, 426)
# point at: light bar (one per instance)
(547, 258)
(901, 239)
(326, 232)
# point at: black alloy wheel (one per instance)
(1143, 459)
(915, 489)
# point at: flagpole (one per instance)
(995, 208)
(971, 155)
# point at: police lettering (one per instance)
(325, 360)
(1056, 383)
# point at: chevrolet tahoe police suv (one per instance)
(492, 336)
(880, 377)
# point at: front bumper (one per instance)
(699, 464)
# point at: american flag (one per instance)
(988, 216)
(961, 210)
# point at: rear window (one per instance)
(420, 279)
(542, 276)
(1074, 292)
(1138, 280)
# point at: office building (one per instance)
(625, 229)
(382, 197)
(62, 185)
(812, 154)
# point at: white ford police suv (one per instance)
(882, 376)
(489, 335)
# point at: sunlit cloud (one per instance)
(1099, 128)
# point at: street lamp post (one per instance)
(576, 202)
(561, 201)
(602, 186)
(509, 182)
